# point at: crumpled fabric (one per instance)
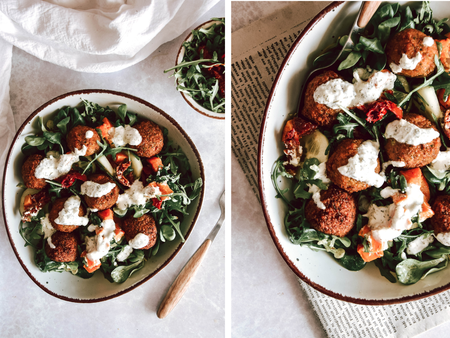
(96, 36)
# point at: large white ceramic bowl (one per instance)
(319, 269)
(64, 285)
(190, 101)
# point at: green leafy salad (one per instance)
(104, 190)
(201, 73)
(366, 157)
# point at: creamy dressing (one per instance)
(93, 189)
(443, 238)
(47, 227)
(137, 195)
(69, 214)
(124, 253)
(388, 222)
(128, 135)
(321, 174)
(139, 241)
(441, 163)
(294, 156)
(406, 63)
(404, 132)
(361, 167)
(99, 245)
(338, 93)
(52, 167)
(89, 134)
(419, 244)
(428, 41)
(397, 164)
(50, 243)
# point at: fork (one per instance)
(186, 275)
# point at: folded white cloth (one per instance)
(97, 36)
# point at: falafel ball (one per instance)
(339, 216)
(152, 139)
(78, 137)
(410, 42)
(65, 249)
(142, 225)
(28, 169)
(344, 151)
(58, 205)
(316, 112)
(106, 201)
(414, 156)
(441, 219)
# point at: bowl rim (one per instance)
(270, 226)
(196, 106)
(178, 248)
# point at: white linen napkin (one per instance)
(97, 36)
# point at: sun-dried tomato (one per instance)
(218, 72)
(121, 168)
(157, 203)
(206, 52)
(295, 129)
(70, 178)
(375, 111)
(35, 203)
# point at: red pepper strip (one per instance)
(37, 202)
(69, 179)
(378, 109)
(157, 203)
(121, 168)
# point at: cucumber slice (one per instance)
(428, 104)
(27, 192)
(105, 165)
(315, 145)
(120, 212)
(136, 164)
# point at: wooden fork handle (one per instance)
(368, 10)
(181, 283)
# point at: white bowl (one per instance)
(64, 285)
(190, 101)
(319, 269)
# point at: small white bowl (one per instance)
(319, 269)
(64, 285)
(197, 107)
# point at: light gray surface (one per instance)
(267, 300)
(27, 311)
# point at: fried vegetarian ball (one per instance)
(103, 202)
(28, 169)
(441, 219)
(404, 48)
(339, 215)
(152, 139)
(58, 205)
(414, 156)
(80, 136)
(316, 112)
(65, 247)
(345, 150)
(142, 225)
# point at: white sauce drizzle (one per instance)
(89, 134)
(47, 226)
(99, 245)
(443, 238)
(137, 195)
(93, 189)
(50, 243)
(361, 167)
(338, 93)
(69, 214)
(139, 241)
(51, 167)
(321, 174)
(428, 41)
(128, 135)
(406, 63)
(405, 132)
(419, 244)
(441, 163)
(124, 253)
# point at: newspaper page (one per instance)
(257, 53)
